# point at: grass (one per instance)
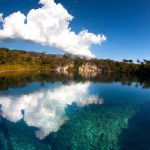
(19, 67)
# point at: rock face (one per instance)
(64, 68)
(89, 70)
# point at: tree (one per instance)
(125, 60)
(138, 61)
(130, 61)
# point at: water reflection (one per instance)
(45, 108)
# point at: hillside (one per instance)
(19, 59)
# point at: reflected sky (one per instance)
(44, 107)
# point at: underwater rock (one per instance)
(93, 128)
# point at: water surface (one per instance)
(69, 112)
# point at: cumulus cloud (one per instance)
(45, 109)
(49, 25)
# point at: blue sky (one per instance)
(126, 24)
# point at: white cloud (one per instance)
(1, 17)
(45, 109)
(49, 25)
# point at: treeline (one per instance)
(19, 57)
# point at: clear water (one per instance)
(42, 111)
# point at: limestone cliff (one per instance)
(89, 70)
(64, 68)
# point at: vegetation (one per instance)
(16, 60)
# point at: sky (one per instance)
(116, 29)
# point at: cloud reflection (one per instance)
(45, 109)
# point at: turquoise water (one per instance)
(42, 112)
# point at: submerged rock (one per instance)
(93, 128)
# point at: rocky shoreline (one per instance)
(86, 70)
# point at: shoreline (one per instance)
(20, 70)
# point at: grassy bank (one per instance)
(4, 68)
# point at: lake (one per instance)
(48, 111)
